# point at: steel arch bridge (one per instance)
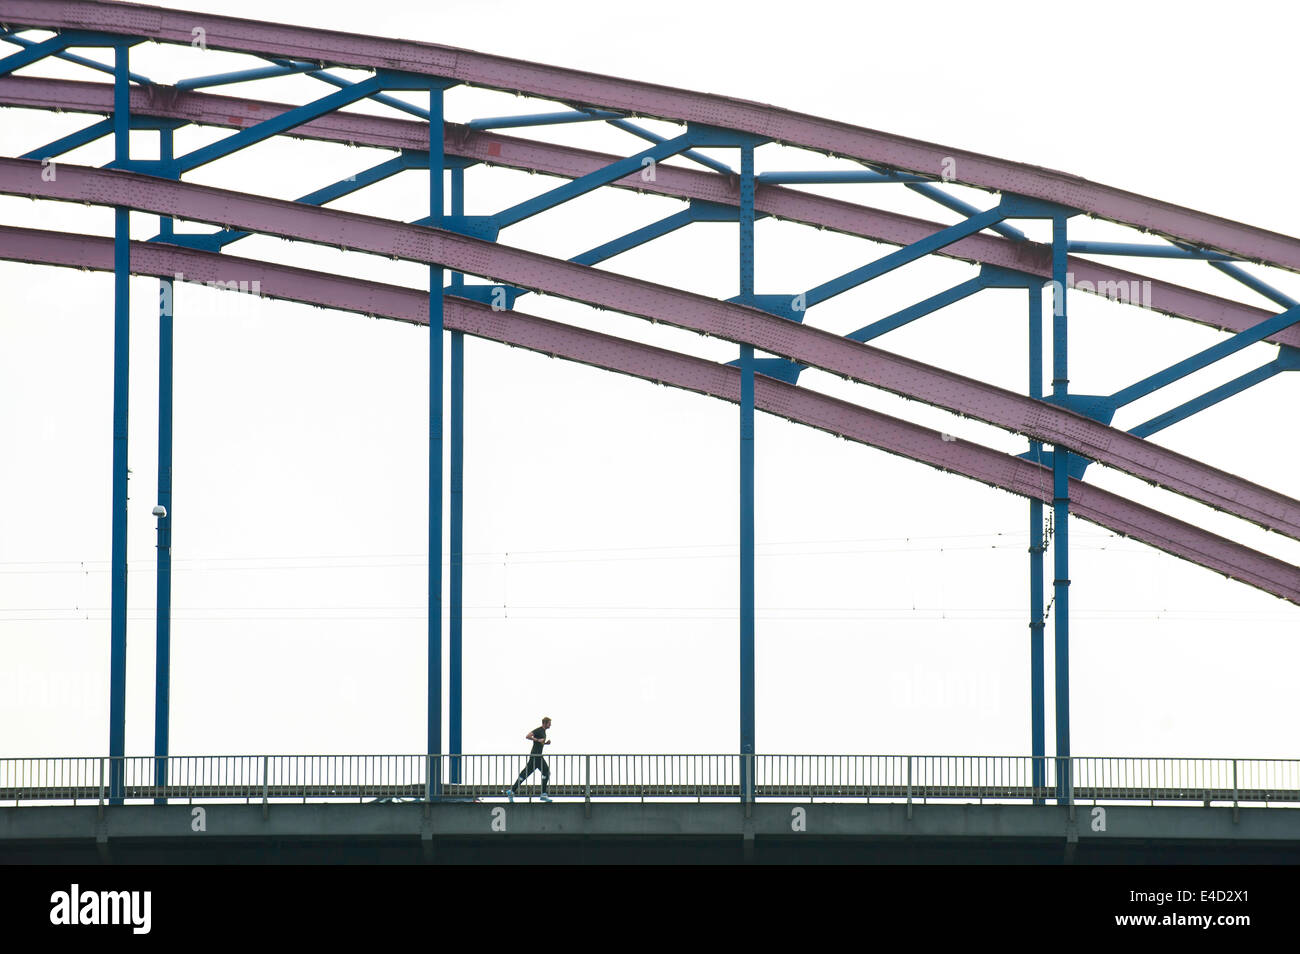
(1066, 431)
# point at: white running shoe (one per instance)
(546, 798)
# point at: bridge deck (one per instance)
(653, 831)
(189, 793)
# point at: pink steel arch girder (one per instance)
(821, 349)
(661, 366)
(649, 99)
(534, 156)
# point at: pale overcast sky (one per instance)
(601, 511)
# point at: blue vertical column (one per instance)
(457, 502)
(121, 399)
(746, 482)
(1038, 719)
(436, 162)
(1061, 512)
(163, 653)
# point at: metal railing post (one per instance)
(1235, 810)
(586, 786)
(101, 788)
(266, 787)
(909, 788)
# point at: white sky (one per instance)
(601, 511)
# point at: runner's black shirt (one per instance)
(538, 733)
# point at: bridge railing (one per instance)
(607, 776)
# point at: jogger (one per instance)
(535, 761)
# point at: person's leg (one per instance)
(524, 772)
(546, 774)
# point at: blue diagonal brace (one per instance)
(312, 70)
(1149, 251)
(648, 136)
(376, 173)
(788, 371)
(698, 211)
(1237, 273)
(909, 253)
(73, 140)
(919, 310)
(69, 38)
(631, 240)
(244, 76)
(96, 131)
(271, 127)
(315, 72)
(1196, 362)
(936, 194)
(592, 180)
(542, 119)
(835, 178)
(1253, 283)
(31, 54)
(407, 159)
(1208, 399)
